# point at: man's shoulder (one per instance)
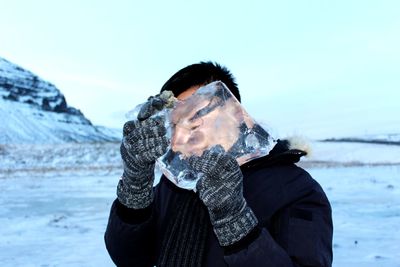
(277, 175)
(285, 182)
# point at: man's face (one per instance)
(201, 122)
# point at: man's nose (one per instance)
(180, 137)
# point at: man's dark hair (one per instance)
(201, 74)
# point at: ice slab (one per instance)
(212, 118)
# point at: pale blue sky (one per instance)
(318, 68)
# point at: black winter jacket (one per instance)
(294, 214)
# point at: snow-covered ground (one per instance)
(59, 159)
(366, 214)
(55, 221)
(56, 216)
(85, 158)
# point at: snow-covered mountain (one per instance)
(35, 111)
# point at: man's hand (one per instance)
(155, 104)
(143, 142)
(221, 190)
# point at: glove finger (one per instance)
(158, 145)
(223, 160)
(141, 146)
(150, 108)
(152, 156)
(130, 126)
(206, 163)
(129, 161)
(156, 151)
(220, 187)
(143, 133)
(219, 170)
(135, 163)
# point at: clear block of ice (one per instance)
(212, 118)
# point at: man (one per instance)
(267, 212)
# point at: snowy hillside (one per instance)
(35, 111)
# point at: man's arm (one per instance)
(303, 225)
(130, 236)
(302, 236)
(131, 231)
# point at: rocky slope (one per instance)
(35, 111)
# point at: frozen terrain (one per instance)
(366, 214)
(55, 202)
(59, 159)
(55, 221)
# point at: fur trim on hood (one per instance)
(301, 143)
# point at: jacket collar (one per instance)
(281, 153)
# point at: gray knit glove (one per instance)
(221, 190)
(143, 142)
